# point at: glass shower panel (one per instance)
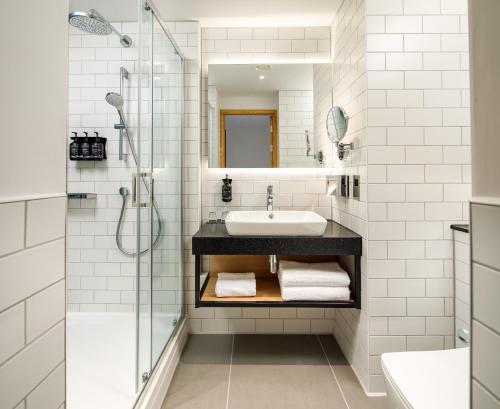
(166, 167)
(145, 208)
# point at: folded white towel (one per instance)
(235, 276)
(294, 274)
(315, 293)
(236, 285)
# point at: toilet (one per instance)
(427, 379)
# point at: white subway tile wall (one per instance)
(349, 91)
(101, 279)
(296, 116)
(32, 306)
(93, 258)
(418, 114)
(462, 279)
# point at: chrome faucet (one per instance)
(270, 197)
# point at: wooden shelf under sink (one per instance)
(268, 292)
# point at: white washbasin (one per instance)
(275, 223)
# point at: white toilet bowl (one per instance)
(427, 380)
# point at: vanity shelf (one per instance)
(249, 253)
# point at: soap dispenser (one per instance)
(97, 148)
(85, 147)
(74, 147)
(227, 190)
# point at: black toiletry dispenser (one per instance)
(227, 190)
(97, 148)
(85, 147)
(74, 147)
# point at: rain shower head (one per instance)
(92, 22)
(115, 100)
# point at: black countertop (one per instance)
(460, 227)
(337, 240)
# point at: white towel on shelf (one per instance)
(295, 274)
(236, 285)
(315, 293)
(235, 276)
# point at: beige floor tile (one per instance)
(353, 392)
(202, 377)
(283, 387)
(278, 350)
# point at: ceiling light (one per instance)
(261, 77)
(263, 67)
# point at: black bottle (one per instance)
(74, 147)
(85, 147)
(227, 190)
(97, 148)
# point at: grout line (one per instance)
(229, 380)
(25, 224)
(333, 372)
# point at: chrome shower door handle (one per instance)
(149, 188)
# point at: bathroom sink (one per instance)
(275, 223)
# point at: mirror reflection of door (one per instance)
(248, 138)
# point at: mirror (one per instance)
(336, 124)
(268, 116)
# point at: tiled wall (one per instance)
(322, 102)
(32, 303)
(295, 117)
(349, 92)
(100, 278)
(461, 263)
(485, 207)
(418, 171)
(485, 222)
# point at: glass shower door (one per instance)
(145, 209)
(159, 194)
(167, 89)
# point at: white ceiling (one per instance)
(243, 79)
(251, 13)
(112, 10)
(224, 13)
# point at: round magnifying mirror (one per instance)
(336, 123)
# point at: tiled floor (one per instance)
(265, 372)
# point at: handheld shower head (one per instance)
(115, 100)
(123, 191)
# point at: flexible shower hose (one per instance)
(124, 193)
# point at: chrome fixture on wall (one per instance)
(118, 238)
(123, 76)
(269, 200)
(116, 101)
(337, 122)
(94, 23)
(337, 186)
(320, 157)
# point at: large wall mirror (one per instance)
(269, 116)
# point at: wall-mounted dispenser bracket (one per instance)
(338, 185)
(343, 148)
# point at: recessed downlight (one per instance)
(261, 77)
(263, 67)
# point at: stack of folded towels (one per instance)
(313, 281)
(235, 285)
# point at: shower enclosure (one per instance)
(124, 255)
